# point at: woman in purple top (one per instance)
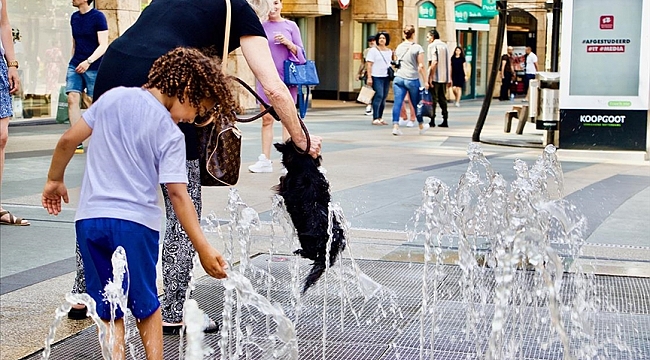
(286, 44)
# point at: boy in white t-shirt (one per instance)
(137, 145)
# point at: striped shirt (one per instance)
(439, 54)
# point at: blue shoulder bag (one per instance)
(301, 75)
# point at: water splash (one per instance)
(513, 242)
(62, 312)
(248, 297)
(195, 320)
(115, 295)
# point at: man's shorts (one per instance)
(6, 108)
(98, 239)
(75, 82)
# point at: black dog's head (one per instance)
(293, 159)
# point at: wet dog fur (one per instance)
(306, 194)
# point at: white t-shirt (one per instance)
(531, 59)
(135, 146)
(380, 61)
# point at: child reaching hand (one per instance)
(135, 146)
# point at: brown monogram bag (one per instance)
(220, 144)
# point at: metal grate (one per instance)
(623, 313)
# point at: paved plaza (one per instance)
(376, 177)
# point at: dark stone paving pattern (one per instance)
(623, 311)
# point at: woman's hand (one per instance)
(283, 40)
(14, 80)
(315, 143)
(369, 81)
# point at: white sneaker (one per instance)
(397, 132)
(263, 165)
(402, 122)
(410, 123)
(457, 104)
(368, 110)
(424, 129)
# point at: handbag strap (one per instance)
(226, 40)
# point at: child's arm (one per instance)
(211, 260)
(54, 187)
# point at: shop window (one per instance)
(43, 45)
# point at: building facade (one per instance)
(334, 37)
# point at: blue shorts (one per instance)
(98, 239)
(75, 82)
(6, 107)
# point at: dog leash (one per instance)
(268, 109)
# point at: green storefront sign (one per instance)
(489, 7)
(470, 13)
(427, 11)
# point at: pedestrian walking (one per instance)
(507, 72)
(90, 40)
(136, 146)
(9, 84)
(410, 68)
(439, 75)
(286, 44)
(162, 26)
(377, 63)
(458, 74)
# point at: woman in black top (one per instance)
(165, 25)
(458, 76)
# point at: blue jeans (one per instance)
(400, 87)
(381, 87)
(75, 82)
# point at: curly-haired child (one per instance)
(136, 145)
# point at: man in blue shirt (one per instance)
(89, 42)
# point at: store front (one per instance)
(43, 45)
(472, 35)
(521, 32)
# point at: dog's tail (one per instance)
(317, 269)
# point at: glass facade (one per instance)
(43, 45)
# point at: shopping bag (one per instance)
(365, 95)
(425, 106)
(62, 108)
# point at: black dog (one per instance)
(306, 195)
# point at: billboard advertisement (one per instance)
(605, 54)
(605, 75)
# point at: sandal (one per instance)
(15, 221)
(376, 122)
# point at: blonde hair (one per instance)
(262, 8)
